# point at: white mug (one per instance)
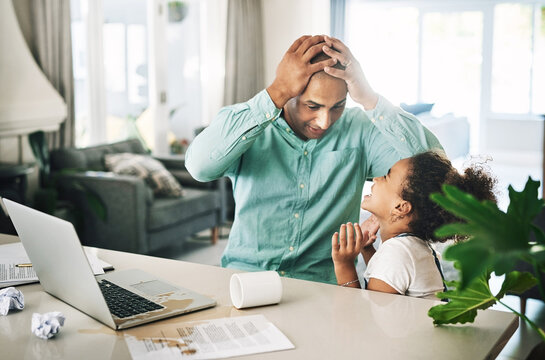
(255, 289)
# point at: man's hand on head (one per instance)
(358, 87)
(294, 71)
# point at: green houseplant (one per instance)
(46, 197)
(496, 241)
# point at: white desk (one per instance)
(322, 321)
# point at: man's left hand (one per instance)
(358, 86)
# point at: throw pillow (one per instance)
(144, 166)
(416, 109)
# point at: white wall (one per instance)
(515, 141)
(286, 20)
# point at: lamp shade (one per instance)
(28, 101)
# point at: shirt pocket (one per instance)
(337, 173)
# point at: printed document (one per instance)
(206, 339)
(14, 254)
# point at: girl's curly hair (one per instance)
(428, 171)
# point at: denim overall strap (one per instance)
(437, 263)
(438, 267)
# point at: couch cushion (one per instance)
(167, 211)
(68, 159)
(144, 166)
(95, 154)
(92, 157)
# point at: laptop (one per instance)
(120, 299)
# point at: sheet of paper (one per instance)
(14, 253)
(207, 339)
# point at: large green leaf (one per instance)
(525, 204)
(538, 232)
(466, 207)
(496, 238)
(464, 302)
(517, 282)
(473, 258)
(496, 242)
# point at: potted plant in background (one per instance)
(47, 198)
(177, 11)
(496, 242)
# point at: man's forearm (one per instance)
(396, 135)
(403, 130)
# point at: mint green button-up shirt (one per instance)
(291, 195)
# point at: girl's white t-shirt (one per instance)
(407, 264)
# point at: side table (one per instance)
(13, 185)
(13, 180)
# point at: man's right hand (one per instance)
(294, 71)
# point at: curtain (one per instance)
(244, 63)
(46, 27)
(337, 15)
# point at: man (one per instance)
(298, 160)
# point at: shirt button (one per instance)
(372, 119)
(306, 153)
(302, 186)
(381, 117)
(296, 215)
(402, 138)
(244, 138)
(282, 273)
(268, 115)
(288, 129)
(291, 248)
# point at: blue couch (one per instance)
(136, 220)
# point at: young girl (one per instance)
(400, 203)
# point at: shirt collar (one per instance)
(289, 135)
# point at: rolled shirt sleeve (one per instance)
(401, 136)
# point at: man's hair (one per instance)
(428, 171)
(321, 56)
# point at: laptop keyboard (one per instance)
(124, 303)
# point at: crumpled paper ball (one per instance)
(47, 325)
(11, 298)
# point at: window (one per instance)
(115, 43)
(110, 71)
(451, 61)
(79, 64)
(125, 66)
(477, 59)
(385, 43)
(407, 67)
(538, 82)
(184, 73)
(518, 81)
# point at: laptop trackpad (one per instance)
(154, 287)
